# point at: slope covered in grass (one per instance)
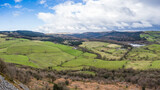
(31, 47)
(65, 48)
(141, 65)
(155, 65)
(152, 36)
(150, 52)
(95, 63)
(41, 54)
(35, 53)
(18, 59)
(106, 50)
(50, 59)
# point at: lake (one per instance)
(136, 45)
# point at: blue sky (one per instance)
(57, 16)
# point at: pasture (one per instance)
(40, 54)
(106, 50)
(155, 65)
(95, 63)
(138, 65)
(36, 53)
(149, 52)
(152, 36)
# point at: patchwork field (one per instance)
(152, 36)
(41, 54)
(34, 53)
(149, 52)
(106, 50)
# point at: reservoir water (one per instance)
(136, 45)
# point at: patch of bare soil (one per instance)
(98, 86)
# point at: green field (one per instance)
(95, 63)
(106, 50)
(152, 36)
(141, 65)
(18, 59)
(36, 53)
(149, 52)
(41, 54)
(47, 54)
(155, 65)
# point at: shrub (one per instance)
(3, 67)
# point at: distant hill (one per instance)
(32, 35)
(23, 33)
(114, 35)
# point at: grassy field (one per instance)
(95, 63)
(18, 59)
(141, 65)
(65, 48)
(150, 52)
(152, 36)
(36, 53)
(155, 65)
(106, 50)
(41, 54)
(49, 59)
(59, 68)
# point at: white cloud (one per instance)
(16, 1)
(99, 15)
(42, 2)
(6, 5)
(141, 24)
(18, 6)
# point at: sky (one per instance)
(77, 16)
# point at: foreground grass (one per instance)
(95, 63)
(141, 65)
(59, 68)
(18, 59)
(87, 72)
(155, 65)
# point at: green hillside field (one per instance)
(40, 54)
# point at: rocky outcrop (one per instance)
(5, 85)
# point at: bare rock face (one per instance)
(5, 85)
(22, 86)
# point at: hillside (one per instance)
(152, 36)
(113, 35)
(112, 62)
(44, 54)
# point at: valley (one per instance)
(82, 59)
